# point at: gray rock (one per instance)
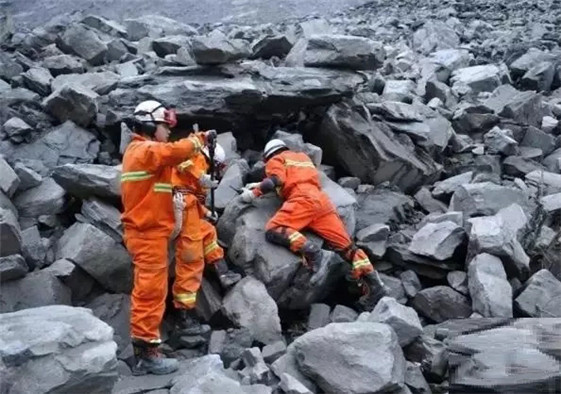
(433, 36)
(75, 103)
(404, 320)
(431, 354)
(32, 247)
(12, 267)
(524, 107)
(438, 241)
(38, 288)
(549, 124)
(454, 217)
(349, 348)
(63, 64)
(395, 288)
(273, 351)
(17, 130)
(458, 280)
(296, 143)
(100, 82)
(249, 305)
(339, 51)
(428, 203)
(349, 182)
(399, 90)
(551, 162)
(450, 185)
(87, 180)
(415, 380)
(518, 166)
(233, 178)
(539, 77)
(381, 156)
(490, 234)
(97, 254)
(289, 364)
(291, 385)
(551, 203)
(9, 180)
(535, 138)
(105, 25)
(530, 59)
(272, 45)
(411, 283)
(114, 309)
(441, 303)
(485, 198)
(374, 238)
(216, 48)
(343, 314)
(209, 301)
(74, 277)
(490, 291)
(39, 356)
(484, 78)
(38, 79)
(540, 296)
(67, 143)
(169, 44)
(45, 199)
(104, 216)
(501, 141)
(155, 26)
(319, 316)
(10, 233)
(85, 43)
(549, 182)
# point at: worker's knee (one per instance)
(277, 236)
(150, 284)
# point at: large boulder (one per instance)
(12, 267)
(97, 254)
(38, 288)
(9, 180)
(352, 358)
(217, 48)
(476, 79)
(100, 82)
(104, 216)
(370, 151)
(338, 51)
(114, 309)
(541, 296)
(441, 303)
(438, 241)
(404, 320)
(87, 180)
(67, 143)
(10, 233)
(490, 291)
(75, 103)
(38, 79)
(249, 305)
(63, 64)
(46, 199)
(85, 43)
(435, 35)
(486, 198)
(57, 349)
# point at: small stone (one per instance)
(411, 283)
(343, 314)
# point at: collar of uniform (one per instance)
(138, 137)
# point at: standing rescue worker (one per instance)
(296, 179)
(197, 242)
(148, 221)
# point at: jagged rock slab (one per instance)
(97, 254)
(272, 45)
(438, 241)
(441, 303)
(38, 79)
(216, 48)
(104, 216)
(489, 288)
(33, 248)
(404, 320)
(500, 141)
(335, 355)
(88, 180)
(46, 199)
(400, 255)
(374, 238)
(484, 78)
(57, 349)
(435, 35)
(114, 309)
(63, 64)
(17, 130)
(10, 233)
(100, 82)
(80, 283)
(9, 180)
(75, 103)
(450, 185)
(541, 296)
(12, 267)
(485, 198)
(85, 43)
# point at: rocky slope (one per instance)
(436, 128)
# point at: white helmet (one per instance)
(152, 111)
(273, 146)
(219, 154)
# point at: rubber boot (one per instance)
(316, 260)
(226, 277)
(188, 323)
(373, 290)
(150, 360)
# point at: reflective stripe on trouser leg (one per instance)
(211, 249)
(187, 300)
(296, 239)
(189, 267)
(361, 264)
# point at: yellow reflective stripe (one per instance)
(361, 263)
(195, 140)
(148, 340)
(134, 176)
(294, 163)
(186, 298)
(210, 247)
(186, 164)
(163, 187)
(294, 236)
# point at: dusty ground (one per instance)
(32, 13)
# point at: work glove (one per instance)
(247, 195)
(252, 185)
(212, 217)
(207, 182)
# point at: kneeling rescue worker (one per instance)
(294, 176)
(148, 221)
(197, 242)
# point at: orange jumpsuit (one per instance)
(197, 242)
(148, 221)
(306, 206)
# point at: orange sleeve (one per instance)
(193, 167)
(160, 154)
(276, 167)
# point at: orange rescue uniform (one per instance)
(306, 206)
(148, 221)
(197, 242)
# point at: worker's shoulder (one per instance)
(293, 155)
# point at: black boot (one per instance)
(316, 260)
(149, 359)
(373, 290)
(226, 277)
(188, 323)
